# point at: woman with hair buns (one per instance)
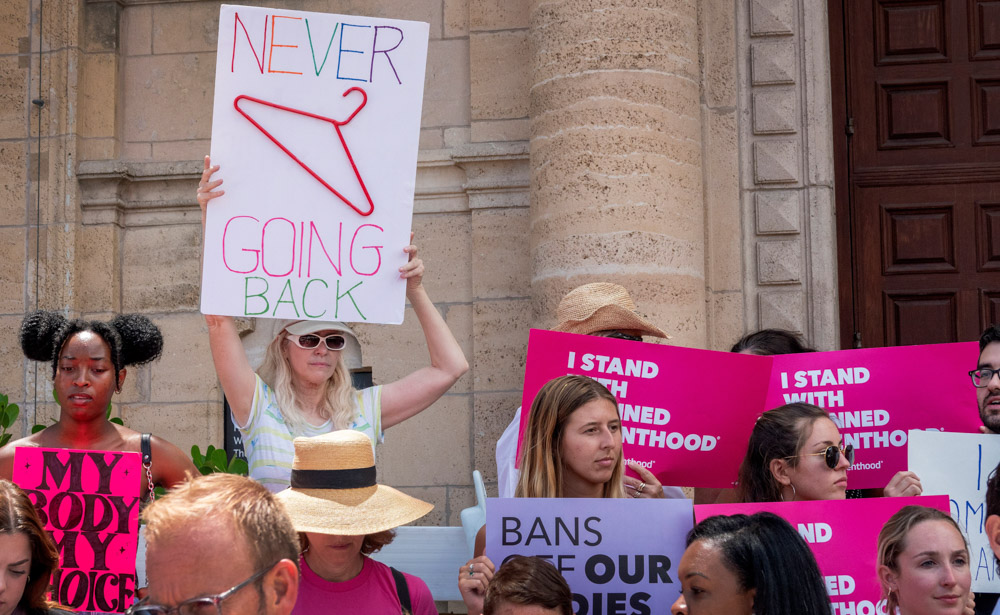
(89, 361)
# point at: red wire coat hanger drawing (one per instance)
(336, 125)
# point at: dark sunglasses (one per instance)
(334, 341)
(831, 455)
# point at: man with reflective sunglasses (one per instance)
(986, 379)
(219, 545)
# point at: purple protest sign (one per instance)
(686, 413)
(89, 502)
(876, 395)
(618, 555)
(843, 535)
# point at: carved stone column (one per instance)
(616, 157)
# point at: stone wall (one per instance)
(676, 146)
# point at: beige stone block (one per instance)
(459, 498)
(13, 182)
(135, 389)
(190, 149)
(501, 267)
(493, 412)
(456, 18)
(181, 424)
(776, 162)
(722, 203)
(782, 309)
(160, 268)
(823, 302)
(46, 413)
(12, 270)
(445, 245)
(431, 448)
(778, 211)
(185, 27)
(498, 14)
(773, 62)
(775, 111)
(185, 372)
(431, 138)
(169, 98)
(446, 85)
(138, 151)
(96, 95)
(772, 17)
(417, 10)
(718, 50)
(725, 319)
(13, 362)
(98, 268)
(438, 496)
(779, 262)
(500, 75)
(14, 16)
(137, 30)
(100, 21)
(13, 103)
(99, 148)
(500, 329)
(501, 130)
(456, 136)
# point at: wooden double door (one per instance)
(917, 139)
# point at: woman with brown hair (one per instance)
(572, 448)
(27, 556)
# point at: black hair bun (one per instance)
(39, 331)
(141, 339)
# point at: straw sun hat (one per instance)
(334, 491)
(601, 306)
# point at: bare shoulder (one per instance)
(7, 454)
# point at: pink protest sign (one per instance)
(89, 501)
(843, 535)
(686, 413)
(876, 395)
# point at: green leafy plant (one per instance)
(215, 460)
(8, 415)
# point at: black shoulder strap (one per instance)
(146, 448)
(403, 591)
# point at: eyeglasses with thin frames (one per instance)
(202, 605)
(334, 341)
(831, 455)
(981, 377)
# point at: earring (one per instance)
(793, 489)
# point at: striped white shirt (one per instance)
(267, 439)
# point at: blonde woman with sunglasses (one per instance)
(303, 387)
(796, 452)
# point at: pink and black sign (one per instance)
(89, 502)
(843, 536)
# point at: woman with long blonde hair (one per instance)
(572, 448)
(303, 387)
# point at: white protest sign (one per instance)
(958, 465)
(316, 126)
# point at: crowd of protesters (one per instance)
(296, 536)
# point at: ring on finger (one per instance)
(472, 569)
(640, 487)
(635, 494)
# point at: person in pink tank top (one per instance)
(342, 516)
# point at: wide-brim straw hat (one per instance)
(334, 490)
(601, 306)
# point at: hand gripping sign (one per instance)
(685, 413)
(316, 124)
(89, 502)
(843, 536)
(617, 555)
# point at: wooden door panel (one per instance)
(921, 189)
